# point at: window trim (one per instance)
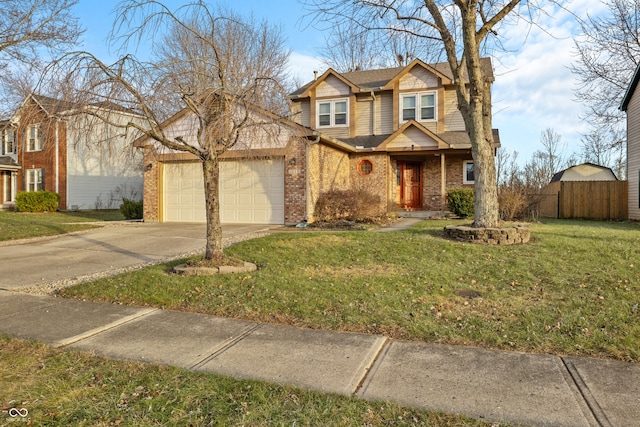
(38, 140)
(332, 112)
(8, 142)
(464, 172)
(363, 162)
(418, 107)
(32, 175)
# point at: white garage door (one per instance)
(251, 192)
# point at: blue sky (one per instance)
(533, 90)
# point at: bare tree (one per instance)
(26, 28)
(597, 149)
(352, 46)
(221, 70)
(608, 52)
(463, 28)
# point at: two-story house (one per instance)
(57, 146)
(396, 132)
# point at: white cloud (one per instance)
(534, 85)
(301, 67)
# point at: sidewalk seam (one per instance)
(370, 374)
(74, 339)
(593, 405)
(374, 364)
(225, 346)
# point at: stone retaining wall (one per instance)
(495, 236)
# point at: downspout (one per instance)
(57, 161)
(306, 174)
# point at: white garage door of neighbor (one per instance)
(251, 192)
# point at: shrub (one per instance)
(513, 203)
(131, 209)
(460, 202)
(37, 201)
(350, 205)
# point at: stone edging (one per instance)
(185, 270)
(496, 236)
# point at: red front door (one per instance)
(410, 184)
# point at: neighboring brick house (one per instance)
(62, 148)
(631, 104)
(396, 132)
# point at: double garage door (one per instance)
(251, 192)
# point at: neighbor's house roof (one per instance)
(585, 172)
(372, 80)
(631, 89)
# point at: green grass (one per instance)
(573, 290)
(68, 388)
(21, 225)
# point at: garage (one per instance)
(251, 192)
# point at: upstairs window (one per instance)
(418, 106)
(7, 145)
(35, 179)
(468, 175)
(35, 138)
(332, 113)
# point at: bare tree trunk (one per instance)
(211, 174)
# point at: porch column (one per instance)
(443, 180)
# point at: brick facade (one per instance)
(295, 172)
(151, 192)
(54, 135)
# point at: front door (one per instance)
(410, 184)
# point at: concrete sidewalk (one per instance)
(537, 390)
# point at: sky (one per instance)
(533, 88)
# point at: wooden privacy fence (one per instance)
(599, 200)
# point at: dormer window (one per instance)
(332, 113)
(418, 106)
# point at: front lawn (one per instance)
(68, 388)
(573, 290)
(23, 225)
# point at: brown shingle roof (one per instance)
(374, 79)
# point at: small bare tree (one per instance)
(463, 28)
(26, 28)
(221, 69)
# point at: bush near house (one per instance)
(37, 201)
(350, 205)
(460, 202)
(131, 209)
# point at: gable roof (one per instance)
(366, 81)
(53, 106)
(631, 89)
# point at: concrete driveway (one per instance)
(101, 250)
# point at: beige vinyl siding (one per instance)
(412, 137)
(341, 132)
(301, 112)
(305, 112)
(452, 117)
(633, 154)
(364, 119)
(418, 78)
(384, 113)
(332, 86)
